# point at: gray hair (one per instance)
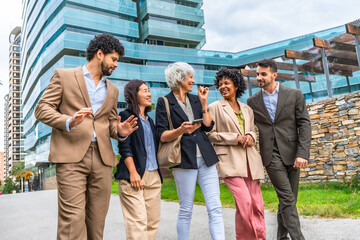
(176, 72)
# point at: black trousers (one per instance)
(285, 179)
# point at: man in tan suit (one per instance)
(285, 136)
(80, 105)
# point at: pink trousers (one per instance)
(249, 215)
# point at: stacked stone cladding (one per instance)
(334, 152)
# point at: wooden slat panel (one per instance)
(254, 64)
(344, 67)
(301, 55)
(341, 46)
(352, 29)
(334, 69)
(253, 82)
(286, 66)
(318, 42)
(245, 72)
(343, 61)
(303, 78)
(316, 67)
(282, 76)
(342, 54)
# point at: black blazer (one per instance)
(188, 141)
(134, 146)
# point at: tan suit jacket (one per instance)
(232, 155)
(66, 94)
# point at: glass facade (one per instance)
(55, 34)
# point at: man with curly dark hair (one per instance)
(240, 166)
(80, 105)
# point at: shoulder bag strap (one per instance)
(168, 112)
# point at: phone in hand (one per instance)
(200, 120)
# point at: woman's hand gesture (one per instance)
(203, 94)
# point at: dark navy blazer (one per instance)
(134, 146)
(188, 141)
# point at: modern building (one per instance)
(55, 34)
(13, 115)
(6, 134)
(2, 168)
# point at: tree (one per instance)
(18, 168)
(9, 185)
(21, 173)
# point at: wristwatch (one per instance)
(204, 111)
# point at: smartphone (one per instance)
(197, 121)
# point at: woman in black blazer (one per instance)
(198, 157)
(138, 172)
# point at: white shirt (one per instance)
(96, 94)
(270, 100)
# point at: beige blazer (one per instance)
(232, 156)
(65, 95)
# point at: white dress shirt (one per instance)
(270, 100)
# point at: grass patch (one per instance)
(328, 199)
(114, 187)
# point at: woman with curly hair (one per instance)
(240, 165)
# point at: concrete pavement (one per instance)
(33, 216)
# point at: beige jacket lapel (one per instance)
(79, 75)
(228, 110)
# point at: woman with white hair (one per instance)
(198, 157)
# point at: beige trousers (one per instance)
(83, 197)
(141, 208)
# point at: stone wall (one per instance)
(49, 183)
(335, 139)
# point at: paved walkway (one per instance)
(33, 216)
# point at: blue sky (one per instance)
(231, 25)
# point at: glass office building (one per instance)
(55, 34)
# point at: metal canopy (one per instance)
(337, 56)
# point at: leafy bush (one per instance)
(10, 185)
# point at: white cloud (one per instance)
(233, 25)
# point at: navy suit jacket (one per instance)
(188, 141)
(134, 146)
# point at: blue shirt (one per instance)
(151, 163)
(270, 100)
(96, 94)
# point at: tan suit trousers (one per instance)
(83, 196)
(141, 208)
